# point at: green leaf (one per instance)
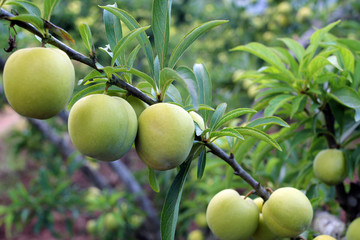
(316, 65)
(59, 31)
(28, 6)
(190, 38)
(265, 54)
(93, 74)
(161, 28)
(153, 180)
(86, 36)
(134, 72)
(167, 76)
(233, 114)
(201, 163)
(217, 115)
(113, 27)
(49, 6)
(259, 135)
(174, 94)
(352, 44)
(267, 121)
(276, 103)
(132, 24)
(189, 77)
(132, 56)
(295, 47)
(230, 132)
(37, 22)
(85, 92)
(298, 104)
(347, 59)
(287, 58)
(274, 90)
(346, 96)
(170, 211)
(125, 40)
(204, 87)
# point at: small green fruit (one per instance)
(110, 222)
(287, 212)
(324, 237)
(38, 82)
(330, 166)
(196, 235)
(91, 227)
(231, 217)
(353, 231)
(263, 232)
(165, 136)
(200, 220)
(102, 127)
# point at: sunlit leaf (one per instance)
(30, 7)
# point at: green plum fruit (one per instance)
(231, 217)
(165, 136)
(196, 235)
(353, 231)
(324, 237)
(102, 127)
(263, 232)
(287, 212)
(91, 227)
(259, 202)
(330, 166)
(110, 222)
(38, 82)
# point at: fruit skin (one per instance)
(165, 136)
(38, 82)
(353, 231)
(231, 217)
(102, 127)
(287, 212)
(263, 232)
(91, 227)
(198, 119)
(330, 166)
(324, 237)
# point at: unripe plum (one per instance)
(330, 166)
(138, 105)
(165, 136)
(324, 237)
(231, 217)
(353, 231)
(259, 202)
(38, 82)
(102, 127)
(287, 212)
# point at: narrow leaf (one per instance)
(267, 121)
(135, 72)
(190, 38)
(316, 65)
(226, 132)
(167, 76)
(276, 103)
(204, 87)
(189, 77)
(28, 6)
(233, 114)
(298, 104)
(201, 163)
(37, 22)
(49, 6)
(86, 36)
(161, 28)
(259, 135)
(216, 117)
(113, 27)
(170, 211)
(153, 180)
(295, 47)
(132, 24)
(59, 31)
(125, 40)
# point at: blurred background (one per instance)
(43, 198)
